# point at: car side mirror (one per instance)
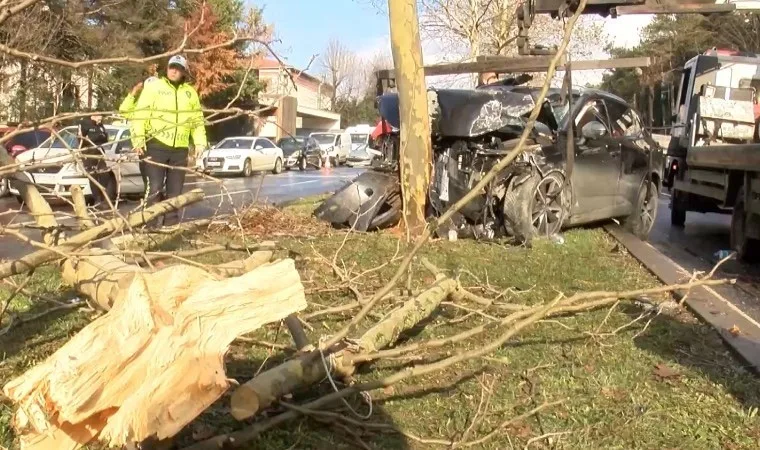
(258, 147)
(593, 131)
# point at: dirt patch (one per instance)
(269, 221)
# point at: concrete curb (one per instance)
(710, 306)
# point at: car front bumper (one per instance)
(291, 162)
(221, 167)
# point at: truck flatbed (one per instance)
(731, 157)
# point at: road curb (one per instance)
(707, 304)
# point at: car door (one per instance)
(628, 134)
(258, 157)
(597, 168)
(336, 147)
(129, 167)
(271, 151)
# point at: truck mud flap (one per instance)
(372, 201)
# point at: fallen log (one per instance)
(154, 362)
(41, 210)
(43, 256)
(307, 369)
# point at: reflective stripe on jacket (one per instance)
(168, 114)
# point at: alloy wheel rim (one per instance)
(547, 213)
(648, 210)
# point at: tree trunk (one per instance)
(154, 362)
(23, 86)
(415, 152)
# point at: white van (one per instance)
(359, 135)
(334, 144)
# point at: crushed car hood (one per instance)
(466, 112)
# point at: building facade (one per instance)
(309, 96)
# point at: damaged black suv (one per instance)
(588, 159)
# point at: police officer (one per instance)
(92, 137)
(167, 114)
(127, 109)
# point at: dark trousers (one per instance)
(97, 169)
(162, 178)
(143, 173)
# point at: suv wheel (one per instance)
(641, 221)
(538, 207)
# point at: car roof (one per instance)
(244, 138)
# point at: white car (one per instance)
(241, 155)
(51, 166)
(334, 144)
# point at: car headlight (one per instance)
(234, 157)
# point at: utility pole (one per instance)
(415, 151)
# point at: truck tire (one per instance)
(641, 221)
(747, 249)
(678, 206)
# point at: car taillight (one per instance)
(17, 149)
(674, 166)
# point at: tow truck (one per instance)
(714, 154)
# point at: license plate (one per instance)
(214, 164)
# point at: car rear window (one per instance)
(30, 139)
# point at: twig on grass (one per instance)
(18, 320)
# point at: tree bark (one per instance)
(154, 362)
(307, 369)
(415, 152)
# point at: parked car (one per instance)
(300, 152)
(362, 156)
(359, 135)
(51, 166)
(334, 145)
(19, 144)
(615, 170)
(243, 156)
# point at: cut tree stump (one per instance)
(154, 362)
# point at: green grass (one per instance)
(613, 396)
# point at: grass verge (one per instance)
(670, 383)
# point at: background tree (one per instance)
(672, 40)
(212, 71)
(470, 28)
(339, 68)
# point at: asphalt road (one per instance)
(236, 191)
(694, 246)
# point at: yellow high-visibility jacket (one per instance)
(168, 114)
(127, 106)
